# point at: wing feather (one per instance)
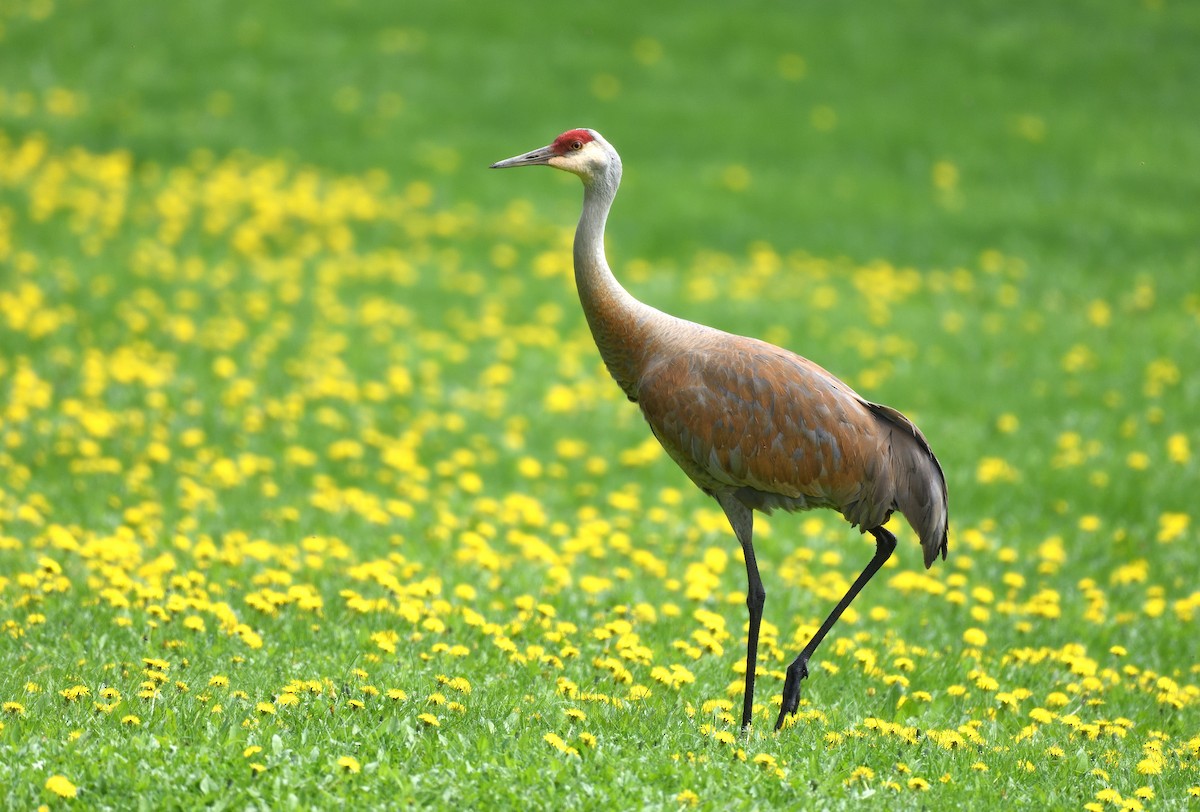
(744, 414)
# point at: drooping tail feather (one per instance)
(920, 485)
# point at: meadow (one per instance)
(314, 491)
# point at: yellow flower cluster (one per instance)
(236, 421)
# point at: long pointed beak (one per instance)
(538, 157)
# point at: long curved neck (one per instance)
(616, 318)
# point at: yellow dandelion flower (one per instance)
(994, 470)
(61, 786)
(74, 692)
(555, 741)
(429, 719)
(986, 683)
(396, 694)
(863, 775)
(1172, 526)
(1178, 450)
(691, 799)
(1041, 716)
(975, 637)
(265, 708)
(1007, 423)
(252, 750)
(130, 721)
(764, 760)
(1152, 765)
(349, 764)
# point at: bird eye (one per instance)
(576, 145)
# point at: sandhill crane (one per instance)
(754, 426)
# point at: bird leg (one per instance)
(885, 544)
(756, 596)
(741, 518)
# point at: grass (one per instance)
(313, 490)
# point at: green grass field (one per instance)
(313, 490)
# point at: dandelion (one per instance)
(1151, 765)
(555, 741)
(130, 720)
(349, 764)
(863, 775)
(75, 692)
(1172, 526)
(1178, 449)
(691, 799)
(429, 719)
(764, 760)
(61, 786)
(975, 637)
(991, 470)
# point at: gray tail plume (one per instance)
(919, 482)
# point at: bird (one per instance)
(753, 425)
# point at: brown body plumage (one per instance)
(755, 426)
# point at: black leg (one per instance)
(756, 596)
(742, 520)
(885, 544)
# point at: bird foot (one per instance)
(796, 672)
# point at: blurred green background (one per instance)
(1071, 127)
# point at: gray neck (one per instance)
(616, 318)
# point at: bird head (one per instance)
(581, 152)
